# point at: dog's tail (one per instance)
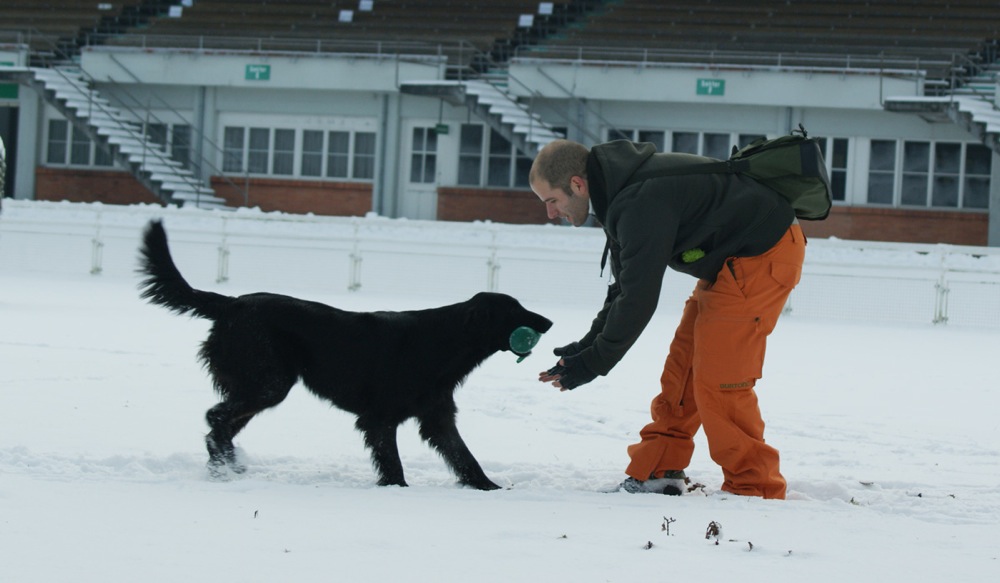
(164, 285)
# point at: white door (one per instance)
(420, 178)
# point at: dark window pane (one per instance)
(180, 145)
(686, 142)
(338, 155)
(521, 171)
(977, 193)
(468, 170)
(364, 155)
(839, 159)
(619, 134)
(500, 161)
(914, 191)
(102, 157)
(653, 137)
(416, 168)
(880, 187)
(471, 139)
(312, 153)
(717, 146)
(470, 155)
(947, 158)
(883, 155)
(423, 163)
(232, 157)
(838, 185)
(79, 152)
(258, 150)
(283, 161)
(157, 133)
(945, 192)
(430, 168)
(978, 159)
(499, 145)
(916, 156)
(499, 172)
(58, 136)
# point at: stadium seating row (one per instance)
(927, 29)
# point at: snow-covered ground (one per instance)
(888, 433)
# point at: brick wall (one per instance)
(500, 206)
(902, 225)
(298, 196)
(75, 185)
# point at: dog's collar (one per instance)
(522, 340)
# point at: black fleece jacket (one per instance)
(651, 221)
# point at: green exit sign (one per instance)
(8, 90)
(258, 73)
(711, 87)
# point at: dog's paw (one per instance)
(223, 472)
(218, 472)
(483, 485)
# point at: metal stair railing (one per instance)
(202, 161)
(164, 173)
(96, 107)
(583, 129)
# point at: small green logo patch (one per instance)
(692, 255)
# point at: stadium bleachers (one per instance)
(922, 30)
(453, 28)
(54, 29)
(480, 23)
(916, 27)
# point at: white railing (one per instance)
(249, 250)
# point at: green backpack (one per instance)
(792, 165)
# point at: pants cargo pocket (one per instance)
(730, 353)
(786, 274)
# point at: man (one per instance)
(740, 240)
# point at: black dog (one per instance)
(385, 367)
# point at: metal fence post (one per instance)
(941, 300)
(493, 265)
(97, 250)
(941, 292)
(222, 275)
(354, 275)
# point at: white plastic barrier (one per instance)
(251, 250)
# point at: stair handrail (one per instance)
(203, 161)
(582, 128)
(156, 153)
(159, 155)
(93, 105)
(971, 67)
(487, 60)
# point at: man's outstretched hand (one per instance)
(568, 374)
(569, 350)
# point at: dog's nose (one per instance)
(544, 324)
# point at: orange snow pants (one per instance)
(715, 359)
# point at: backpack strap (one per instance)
(717, 167)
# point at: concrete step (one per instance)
(162, 159)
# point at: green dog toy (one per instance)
(522, 340)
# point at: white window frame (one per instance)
(517, 171)
(931, 172)
(94, 154)
(354, 127)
